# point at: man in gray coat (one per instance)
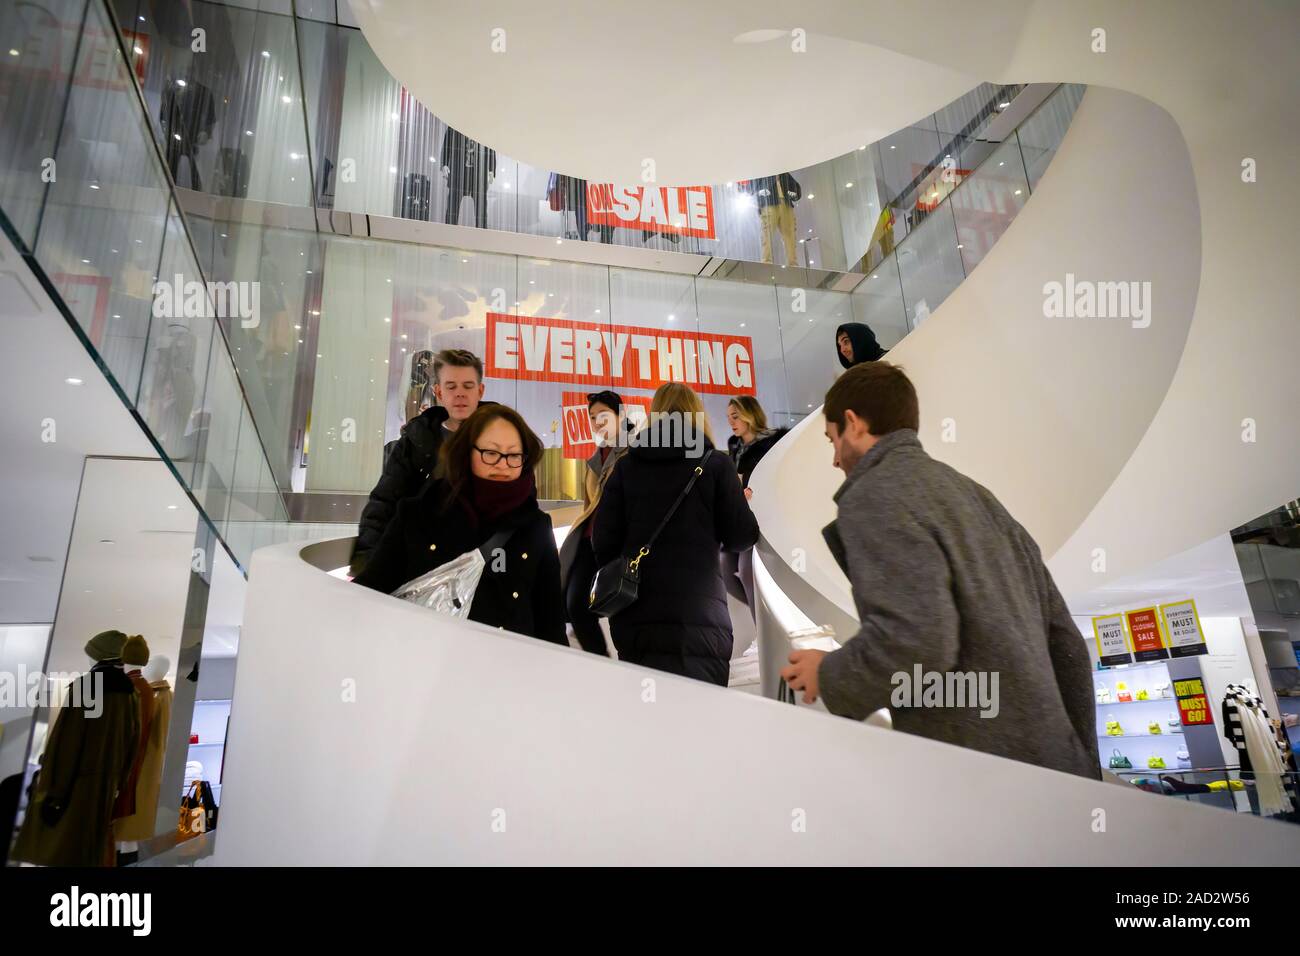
(964, 636)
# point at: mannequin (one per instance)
(88, 757)
(140, 825)
(135, 654)
(776, 196)
(468, 168)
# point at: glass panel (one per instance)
(280, 272)
(36, 69)
(987, 202)
(1041, 134)
(573, 300)
(878, 302)
(218, 435)
(230, 115)
(929, 264)
(102, 231)
(749, 311)
(906, 162)
(241, 522)
(809, 318)
(176, 361)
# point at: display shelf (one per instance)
(1172, 733)
(1150, 700)
(1128, 668)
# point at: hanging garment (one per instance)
(88, 757)
(1246, 725)
(124, 806)
(141, 824)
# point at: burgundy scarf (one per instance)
(486, 500)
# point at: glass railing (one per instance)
(301, 112)
(87, 197)
(329, 373)
(384, 307)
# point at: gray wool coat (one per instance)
(946, 582)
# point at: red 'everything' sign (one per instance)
(616, 356)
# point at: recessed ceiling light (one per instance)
(1003, 106)
(172, 507)
(812, 195)
(266, 53)
(73, 381)
(13, 52)
(1018, 192)
(107, 541)
(180, 82)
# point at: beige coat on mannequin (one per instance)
(142, 825)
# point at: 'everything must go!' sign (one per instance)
(616, 356)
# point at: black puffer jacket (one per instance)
(411, 462)
(680, 621)
(523, 596)
(748, 456)
(863, 340)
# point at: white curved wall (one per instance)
(1078, 425)
(456, 730)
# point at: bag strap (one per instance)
(645, 549)
(498, 540)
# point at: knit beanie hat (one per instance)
(106, 645)
(135, 650)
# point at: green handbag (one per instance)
(1119, 762)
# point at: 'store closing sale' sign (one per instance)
(616, 356)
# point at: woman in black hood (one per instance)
(855, 343)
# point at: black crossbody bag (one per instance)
(614, 587)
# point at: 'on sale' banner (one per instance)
(682, 210)
(578, 439)
(616, 356)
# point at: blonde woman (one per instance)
(679, 622)
(750, 440)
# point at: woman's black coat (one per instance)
(680, 622)
(523, 596)
(748, 456)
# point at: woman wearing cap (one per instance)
(577, 561)
(487, 489)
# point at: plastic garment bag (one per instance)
(448, 588)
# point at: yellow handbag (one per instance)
(1218, 785)
(1156, 763)
(1143, 695)
(192, 818)
(1154, 727)
(1113, 728)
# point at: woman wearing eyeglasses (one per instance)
(486, 487)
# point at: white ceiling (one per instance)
(1208, 573)
(709, 91)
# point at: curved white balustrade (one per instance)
(365, 730)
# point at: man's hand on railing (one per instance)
(801, 673)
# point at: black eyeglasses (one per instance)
(491, 456)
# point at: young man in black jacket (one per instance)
(458, 386)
